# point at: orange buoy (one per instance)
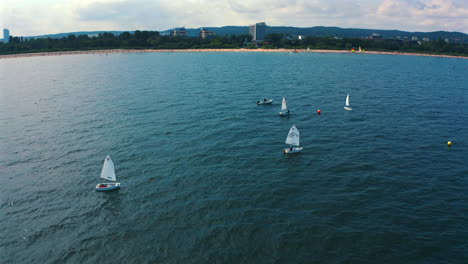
(319, 112)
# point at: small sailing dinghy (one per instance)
(265, 101)
(347, 107)
(284, 108)
(108, 173)
(292, 140)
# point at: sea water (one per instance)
(204, 178)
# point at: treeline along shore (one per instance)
(153, 41)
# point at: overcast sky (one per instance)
(38, 17)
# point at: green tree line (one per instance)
(153, 40)
(126, 40)
(429, 47)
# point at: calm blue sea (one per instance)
(204, 179)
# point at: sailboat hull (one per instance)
(285, 113)
(265, 102)
(294, 150)
(106, 187)
(349, 108)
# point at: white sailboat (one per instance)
(108, 173)
(284, 108)
(347, 107)
(292, 140)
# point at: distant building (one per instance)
(206, 34)
(6, 35)
(258, 31)
(414, 38)
(179, 32)
(375, 36)
(425, 39)
(447, 40)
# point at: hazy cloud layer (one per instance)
(34, 17)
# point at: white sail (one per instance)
(347, 100)
(108, 171)
(284, 107)
(293, 136)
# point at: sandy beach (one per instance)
(60, 53)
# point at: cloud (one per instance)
(243, 8)
(428, 15)
(121, 15)
(157, 15)
(34, 17)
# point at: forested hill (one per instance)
(309, 31)
(89, 33)
(335, 31)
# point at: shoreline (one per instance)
(80, 52)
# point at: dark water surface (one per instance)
(204, 179)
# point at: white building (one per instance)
(6, 35)
(179, 32)
(206, 34)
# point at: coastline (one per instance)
(80, 52)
